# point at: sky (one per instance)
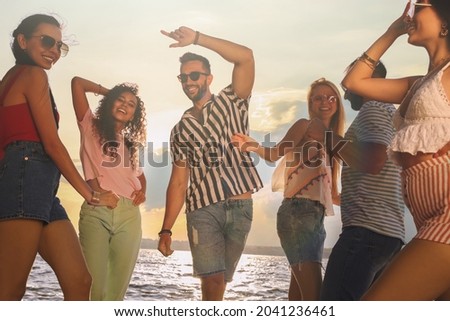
(294, 42)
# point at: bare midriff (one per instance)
(241, 196)
(408, 160)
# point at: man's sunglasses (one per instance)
(48, 43)
(195, 75)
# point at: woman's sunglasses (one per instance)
(195, 75)
(48, 42)
(324, 98)
(415, 7)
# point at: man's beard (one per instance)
(200, 93)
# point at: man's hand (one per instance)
(165, 241)
(183, 36)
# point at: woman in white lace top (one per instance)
(421, 146)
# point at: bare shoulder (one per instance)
(34, 80)
(446, 78)
(446, 81)
(34, 73)
(301, 123)
(27, 81)
(298, 128)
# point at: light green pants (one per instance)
(110, 239)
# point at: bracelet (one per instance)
(197, 35)
(95, 199)
(369, 59)
(99, 89)
(371, 66)
(165, 231)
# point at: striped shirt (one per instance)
(373, 201)
(218, 170)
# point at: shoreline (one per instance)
(151, 244)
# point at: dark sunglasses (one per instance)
(48, 42)
(195, 75)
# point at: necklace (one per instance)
(440, 63)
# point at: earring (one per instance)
(444, 30)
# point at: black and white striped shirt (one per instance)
(217, 169)
(373, 201)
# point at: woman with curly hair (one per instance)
(110, 141)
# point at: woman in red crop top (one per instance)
(32, 158)
(421, 146)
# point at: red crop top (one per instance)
(16, 122)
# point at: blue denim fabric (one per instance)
(301, 230)
(29, 181)
(357, 259)
(217, 234)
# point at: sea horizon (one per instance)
(152, 244)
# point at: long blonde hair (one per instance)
(337, 123)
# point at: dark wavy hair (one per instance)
(189, 56)
(443, 10)
(27, 28)
(134, 132)
(355, 100)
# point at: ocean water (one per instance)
(157, 278)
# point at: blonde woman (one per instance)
(307, 175)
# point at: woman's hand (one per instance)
(138, 197)
(315, 131)
(336, 199)
(244, 143)
(108, 199)
(400, 26)
(444, 150)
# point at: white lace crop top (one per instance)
(426, 124)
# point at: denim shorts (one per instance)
(301, 230)
(29, 181)
(217, 234)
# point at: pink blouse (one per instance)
(114, 173)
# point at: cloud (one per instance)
(277, 109)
